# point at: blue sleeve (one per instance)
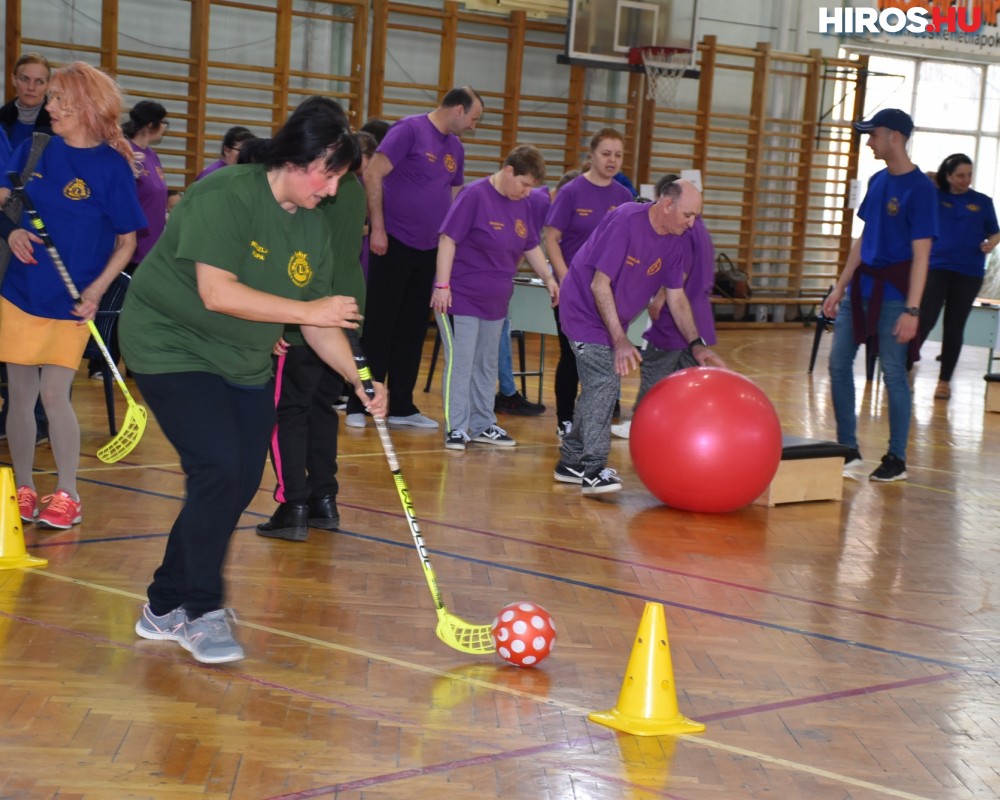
(923, 211)
(990, 225)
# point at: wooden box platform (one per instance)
(992, 392)
(810, 469)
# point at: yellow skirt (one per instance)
(30, 340)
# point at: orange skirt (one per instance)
(30, 340)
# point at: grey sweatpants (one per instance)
(589, 442)
(470, 375)
(657, 364)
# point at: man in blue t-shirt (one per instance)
(886, 271)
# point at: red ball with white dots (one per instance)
(524, 634)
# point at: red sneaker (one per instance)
(27, 502)
(62, 511)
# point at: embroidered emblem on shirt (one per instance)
(431, 157)
(520, 228)
(497, 226)
(449, 163)
(584, 212)
(298, 268)
(258, 251)
(974, 208)
(892, 207)
(76, 189)
(655, 267)
(631, 261)
(946, 204)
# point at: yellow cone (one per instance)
(647, 704)
(12, 553)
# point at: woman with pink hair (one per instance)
(84, 190)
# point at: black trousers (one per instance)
(956, 292)
(221, 433)
(567, 379)
(304, 444)
(397, 309)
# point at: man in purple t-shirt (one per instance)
(411, 181)
(666, 349)
(635, 251)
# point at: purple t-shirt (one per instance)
(211, 168)
(491, 232)
(416, 194)
(152, 190)
(627, 249)
(578, 209)
(699, 268)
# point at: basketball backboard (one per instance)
(599, 33)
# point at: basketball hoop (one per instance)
(664, 67)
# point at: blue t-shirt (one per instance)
(897, 210)
(20, 131)
(86, 197)
(5, 150)
(966, 219)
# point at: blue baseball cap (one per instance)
(894, 119)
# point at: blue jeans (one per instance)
(892, 357)
(506, 362)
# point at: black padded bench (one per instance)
(810, 469)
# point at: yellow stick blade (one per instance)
(463, 636)
(128, 437)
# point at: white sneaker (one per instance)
(563, 428)
(355, 420)
(417, 420)
(622, 431)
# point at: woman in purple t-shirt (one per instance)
(576, 211)
(486, 231)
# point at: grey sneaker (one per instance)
(417, 420)
(166, 628)
(210, 639)
(622, 431)
(567, 473)
(494, 435)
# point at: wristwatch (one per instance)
(913, 311)
(699, 340)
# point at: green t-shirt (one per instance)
(229, 220)
(345, 220)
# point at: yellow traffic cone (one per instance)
(647, 704)
(12, 553)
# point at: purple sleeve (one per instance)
(397, 142)
(461, 216)
(561, 211)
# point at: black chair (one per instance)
(106, 322)
(823, 323)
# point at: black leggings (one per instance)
(567, 380)
(220, 432)
(956, 292)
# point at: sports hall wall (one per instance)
(766, 123)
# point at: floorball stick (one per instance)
(452, 630)
(135, 417)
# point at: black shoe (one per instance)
(618, 409)
(290, 521)
(516, 404)
(323, 513)
(893, 468)
(853, 458)
(601, 481)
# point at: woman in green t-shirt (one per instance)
(243, 254)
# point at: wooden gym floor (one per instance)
(834, 650)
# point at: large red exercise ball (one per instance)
(706, 439)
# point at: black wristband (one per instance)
(694, 342)
(7, 226)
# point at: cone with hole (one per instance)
(12, 553)
(647, 704)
